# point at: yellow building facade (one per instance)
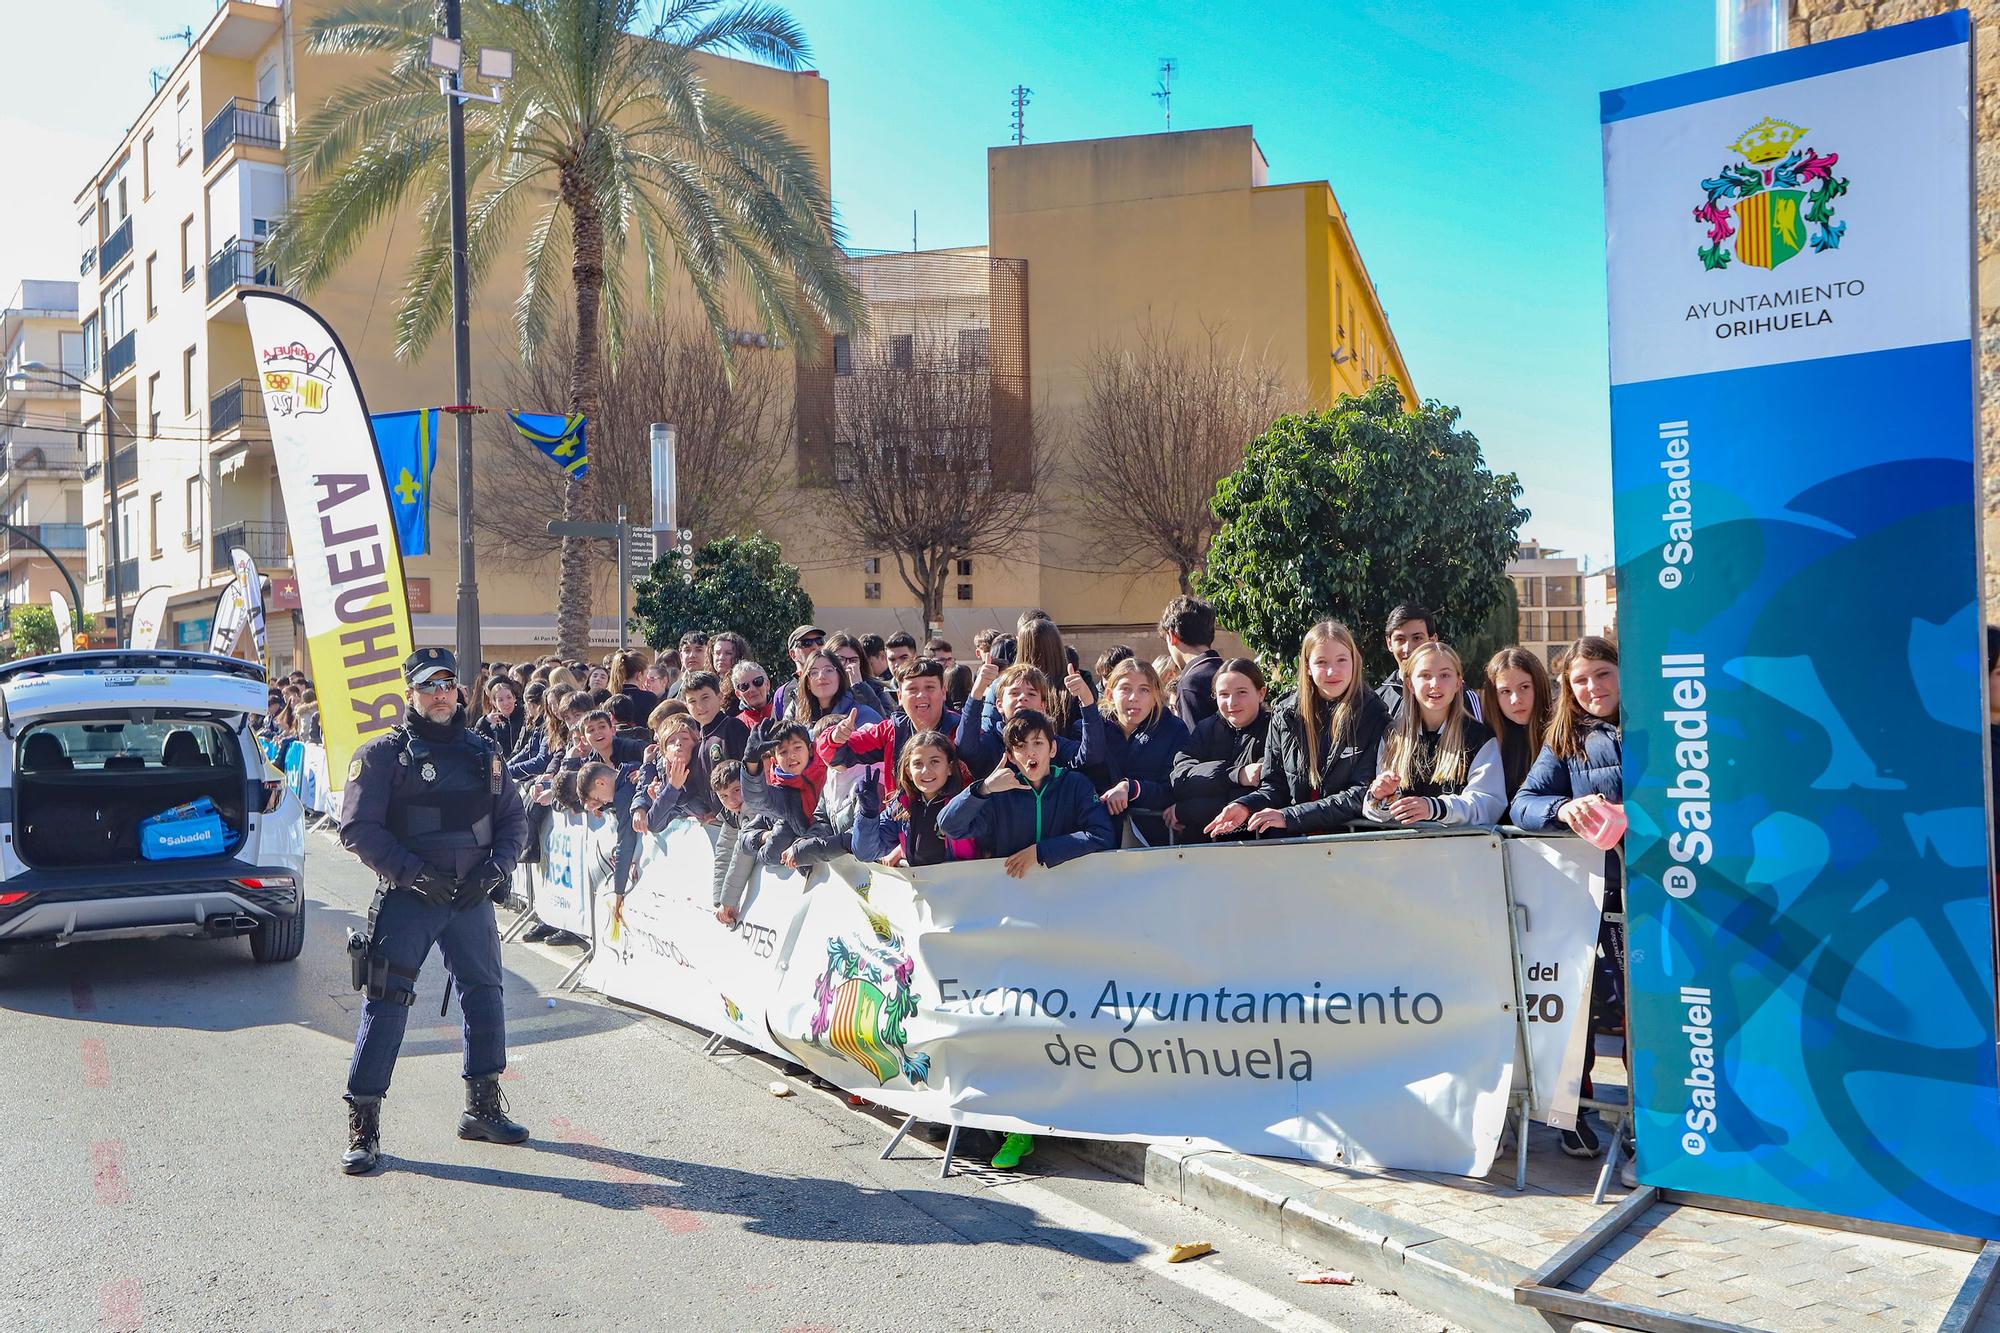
(169, 227)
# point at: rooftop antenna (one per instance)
(1021, 95)
(1164, 94)
(913, 231)
(185, 36)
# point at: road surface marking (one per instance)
(107, 1170)
(677, 1220)
(81, 997)
(118, 1305)
(96, 1065)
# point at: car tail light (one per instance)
(9, 899)
(274, 794)
(269, 882)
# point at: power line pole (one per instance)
(461, 362)
(1021, 95)
(1164, 94)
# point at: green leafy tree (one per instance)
(1345, 513)
(737, 583)
(607, 139)
(34, 630)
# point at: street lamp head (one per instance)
(496, 64)
(447, 54)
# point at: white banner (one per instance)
(65, 621)
(253, 594)
(578, 854)
(230, 613)
(1357, 1008)
(149, 616)
(1558, 885)
(661, 948)
(351, 593)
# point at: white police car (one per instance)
(95, 748)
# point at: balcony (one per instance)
(116, 246)
(26, 461)
(240, 121)
(124, 466)
(55, 536)
(127, 584)
(236, 406)
(266, 542)
(121, 356)
(237, 264)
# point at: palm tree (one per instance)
(607, 137)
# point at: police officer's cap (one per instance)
(425, 663)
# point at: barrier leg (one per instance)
(897, 1137)
(1611, 1155)
(1521, 1144)
(950, 1147)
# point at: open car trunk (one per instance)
(80, 790)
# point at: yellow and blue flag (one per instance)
(408, 444)
(560, 437)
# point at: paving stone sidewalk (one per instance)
(1458, 1246)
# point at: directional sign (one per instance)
(642, 550)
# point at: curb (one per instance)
(1433, 1272)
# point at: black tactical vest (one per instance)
(444, 794)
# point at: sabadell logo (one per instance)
(1783, 200)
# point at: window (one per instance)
(1338, 327)
(153, 405)
(975, 349)
(191, 535)
(92, 345)
(187, 251)
(153, 524)
(187, 382)
(872, 565)
(843, 355)
(115, 326)
(70, 345)
(903, 351)
(965, 592)
(183, 125)
(146, 166)
(871, 592)
(965, 569)
(152, 300)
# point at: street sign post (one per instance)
(619, 532)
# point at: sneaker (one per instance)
(1012, 1150)
(1628, 1174)
(564, 937)
(538, 932)
(1581, 1141)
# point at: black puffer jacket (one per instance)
(1328, 800)
(1202, 770)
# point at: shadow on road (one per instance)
(213, 986)
(804, 1208)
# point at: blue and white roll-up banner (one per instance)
(1797, 502)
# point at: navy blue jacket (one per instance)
(1202, 781)
(532, 759)
(1600, 771)
(980, 746)
(1062, 820)
(1145, 758)
(1194, 692)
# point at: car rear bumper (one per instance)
(208, 897)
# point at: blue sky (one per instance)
(1460, 138)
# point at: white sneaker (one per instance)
(1628, 1174)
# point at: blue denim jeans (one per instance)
(405, 930)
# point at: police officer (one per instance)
(429, 809)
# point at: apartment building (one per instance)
(41, 452)
(1549, 588)
(179, 466)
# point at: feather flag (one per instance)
(408, 445)
(560, 437)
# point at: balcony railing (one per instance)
(116, 246)
(128, 579)
(235, 405)
(121, 356)
(266, 543)
(124, 466)
(55, 536)
(40, 460)
(240, 121)
(237, 264)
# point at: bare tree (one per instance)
(934, 460)
(1163, 420)
(731, 439)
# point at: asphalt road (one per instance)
(171, 1124)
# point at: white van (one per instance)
(91, 744)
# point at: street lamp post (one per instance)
(114, 575)
(447, 56)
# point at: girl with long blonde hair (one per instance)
(1130, 757)
(1439, 764)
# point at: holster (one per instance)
(369, 971)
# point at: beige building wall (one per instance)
(1823, 20)
(41, 454)
(205, 468)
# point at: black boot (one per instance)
(538, 932)
(486, 1113)
(364, 1135)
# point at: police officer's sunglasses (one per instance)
(437, 685)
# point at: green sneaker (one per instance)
(1013, 1150)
